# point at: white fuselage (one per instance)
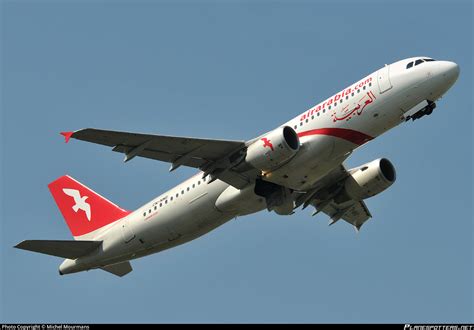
(328, 133)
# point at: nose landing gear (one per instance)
(423, 112)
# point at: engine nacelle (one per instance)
(274, 149)
(370, 179)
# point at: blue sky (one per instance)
(233, 70)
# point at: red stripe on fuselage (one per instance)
(343, 133)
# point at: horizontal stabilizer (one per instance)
(120, 269)
(64, 249)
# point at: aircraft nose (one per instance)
(445, 74)
(449, 71)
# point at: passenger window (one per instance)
(312, 117)
(199, 182)
(418, 62)
(171, 198)
(155, 207)
(182, 192)
(194, 185)
(149, 211)
(296, 126)
(161, 204)
(144, 214)
(166, 201)
(187, 189)
(409, 65)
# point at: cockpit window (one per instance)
(419, 61)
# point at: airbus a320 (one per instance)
(298, 164)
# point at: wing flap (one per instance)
(120, 269)
(64, 249)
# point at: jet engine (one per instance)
(273, 149)
(370, 179)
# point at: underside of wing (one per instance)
(354, 212)
(213, 157)
(326, 198)
(161, 147)
(120, 269)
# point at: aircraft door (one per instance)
(127, 231)
(383, 79)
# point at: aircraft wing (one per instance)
(354, 212)
(213, 157)
(322, 197)
(120, 269)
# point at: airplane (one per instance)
(298, 164)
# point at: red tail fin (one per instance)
(83, 209)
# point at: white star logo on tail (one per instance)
(80, 202)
